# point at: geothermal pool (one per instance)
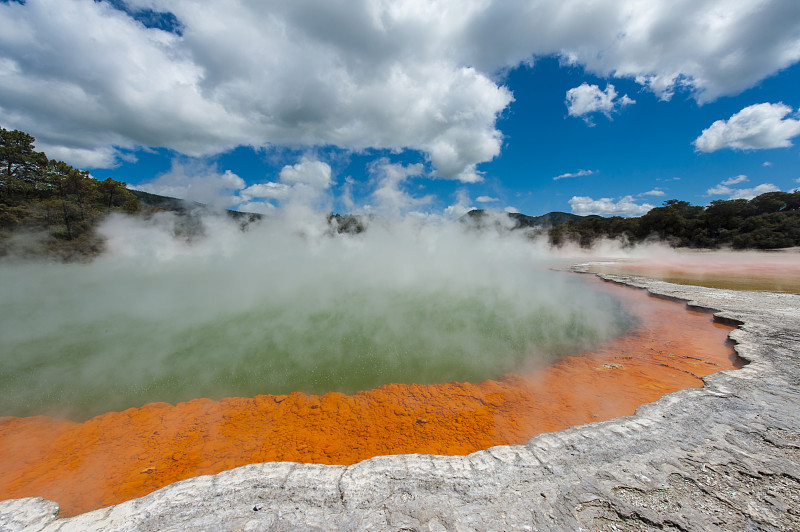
(154, 365)
(283, 309)
(64, 357)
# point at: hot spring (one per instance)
(280, 310)
(169, 358)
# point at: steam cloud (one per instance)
(285, 306)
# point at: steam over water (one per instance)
(281, 308)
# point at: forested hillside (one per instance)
(768, 221)
(47, 207)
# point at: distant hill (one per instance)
(480, 217)
(165, 202)
(548, 220)
(186, 207)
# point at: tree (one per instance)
(723, 216)
(664, 221)
(115, 194)
(18, 161)
(684, 208)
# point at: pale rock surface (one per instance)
(724, 457)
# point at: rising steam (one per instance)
(283, 307)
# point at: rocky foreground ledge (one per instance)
(724, 457)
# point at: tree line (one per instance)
(47, 207)
(768, 221)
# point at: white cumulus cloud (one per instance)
(353, 75)
(486, 199)
(624, 206)
(307, 172)
(270, 190)
(757, 127)
(724, 189)
(90, 82)
(303, 184)
(588, 99)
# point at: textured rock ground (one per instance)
(724, 457)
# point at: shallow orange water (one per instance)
(122, 455)
(777, 271)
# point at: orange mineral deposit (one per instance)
(122, 455)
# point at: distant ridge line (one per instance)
(523, 221)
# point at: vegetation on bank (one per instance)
(49, 208)
(768, 221)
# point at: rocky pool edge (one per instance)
(722, 457)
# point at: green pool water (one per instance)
(80, 340)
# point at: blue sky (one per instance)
(410, 107)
